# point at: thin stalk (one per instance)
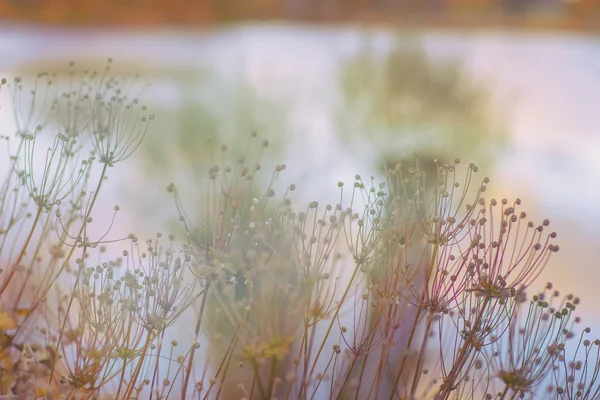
(417, 374)
(261, 390)
(325, 370)
(188, 370)
(376, 382)
(15, 265)
(413, 330)
(83, 226)
(226, 361)
(463, 355)
(347, 377)
(138, 368)
(302, 345)
(360, 376)
(333, 320)
(81, 230)
(123, 380)
(272, 378)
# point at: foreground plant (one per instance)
(409, 287)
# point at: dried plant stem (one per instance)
(361, 375)
(463, 355)
(319, 382)
(417, 372)
(156, 364)
(188, 369)
(257, 382)
(87, 215)
(226, 361)
(138, 367)
(413, 330)
(272, 377)
(302, 348)
(305, 347)
(347, 377)
(411, 336)
(504, 392)
(81, 231)
(363, 367)
(333, 320)
(15, 265)
(379, 372)
(123, 380)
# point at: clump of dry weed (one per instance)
(412, 287)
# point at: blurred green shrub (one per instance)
(404, 100)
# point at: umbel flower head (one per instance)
(442, 210)
(47, 160)
(524, 356)
(61, 173)
(116, 123)
(576, 372)
(509, 252)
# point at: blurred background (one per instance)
(344, 86)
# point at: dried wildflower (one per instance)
(509, 252)
(525, 354)
(430, 217)
(168, 289)
(364, 334)
(576, 371)
(116, 123)
(432, 221)
(81, 240)
(244, 255)
(61, 173)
